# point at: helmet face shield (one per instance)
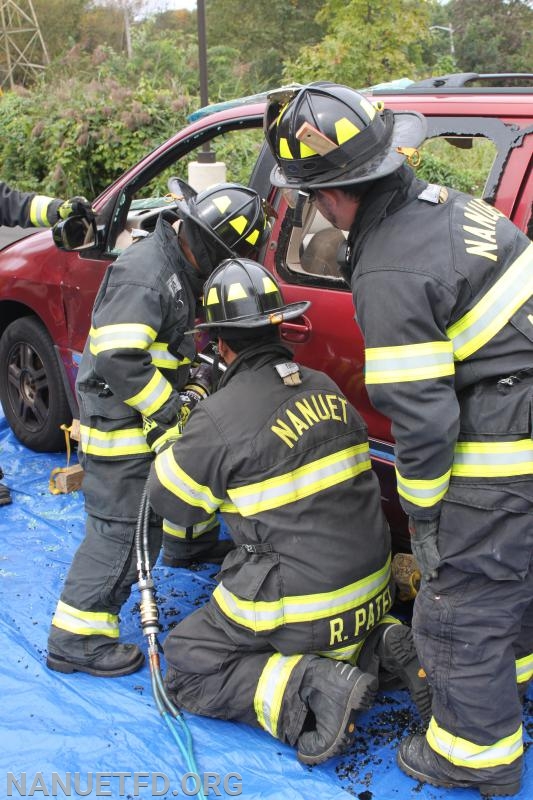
(329, 135)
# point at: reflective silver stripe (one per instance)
(493, 459)
(163, 359)
(265, 615)
(463, 753)
(303, 482)
(412, 362)
(85, 623)
(197, 530)
(423, 493)
(479, 325)
(129, 441)
(152, 396)
(176, 480)
(121, 336)
(524, 669)
(271, 690)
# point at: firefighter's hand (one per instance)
(424, 545)
(160, 436)
(76, 206)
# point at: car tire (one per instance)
(31, 387)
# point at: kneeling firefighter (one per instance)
(296, 634)
(133, 398)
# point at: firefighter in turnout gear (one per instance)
(443, 294)
(134, 397)
(32, 210)
(297, 632)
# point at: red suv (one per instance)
(46, 293)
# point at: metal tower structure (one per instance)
(23, 52)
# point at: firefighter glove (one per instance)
(424, 545)
(160, 436)
(76, 206)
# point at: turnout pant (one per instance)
(217, 669)
(473, 625)
(104, 567)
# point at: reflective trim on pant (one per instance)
(214, 669)
(271, 690)
(194, 531)
(524, 669)
(85, 623)
(463, 753)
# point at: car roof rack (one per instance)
(472, 82)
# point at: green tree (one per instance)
(60, 22)
(367, 41)
(492, 35)
(263, 35)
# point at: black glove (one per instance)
(424, 536)
(160, 436)
(76, 206)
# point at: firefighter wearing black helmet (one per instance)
(134, 396)
(443, 292)
(298, 622)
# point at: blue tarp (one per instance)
(106, 736)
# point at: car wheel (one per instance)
(31, 388)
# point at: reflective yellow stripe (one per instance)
(495, 308)
(163, 359)
(284, 149)
(153, 396)
(463, 753)
(345, 130)
(126, 442)
(267, 615)
(412, 362)
(493, 459)
(197, 530)
(39, 211)
(524, 669)
(271, 688)
(121, 336)
(423, 493)
(239, 223)
(173, 478)
(222, 203)
(85, 623)
(302, 482)
(349, 653)
(252, 237)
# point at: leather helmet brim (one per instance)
(274, 316)
(409, 130)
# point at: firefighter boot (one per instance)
(216, 554)
(417, 759)
(108, 661)
(396, 652)
(5, 496)
(335, 693)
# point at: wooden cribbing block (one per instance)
(68, 479)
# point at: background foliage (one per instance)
(120, 82)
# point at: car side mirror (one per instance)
(75, 233)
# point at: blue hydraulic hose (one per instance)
(149, 614)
